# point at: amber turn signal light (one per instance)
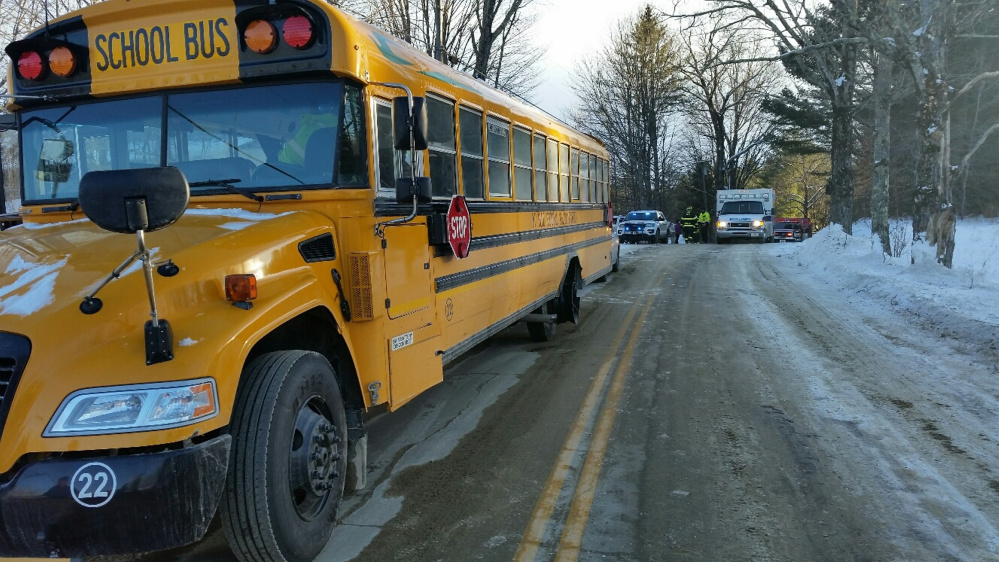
(240, 288)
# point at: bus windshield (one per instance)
(742, 208)
(257, 137)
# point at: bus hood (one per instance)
(47, 270)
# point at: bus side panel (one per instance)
(470, 309)
(415, 364)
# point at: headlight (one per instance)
(757, 224)
(126, 409)
(722, 224)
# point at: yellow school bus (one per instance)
(244, 225)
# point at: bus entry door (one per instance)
(415, 363)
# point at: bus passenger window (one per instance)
(540, 186)
(353, 166)
(470, 122)
(574, 170)
(440, 133)
(594, 181)
(522, 164)
(601, 181)
(498, 145)
(552, 170)
(584, 177)
(386, 152)
(563, 170)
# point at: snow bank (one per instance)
(962, 302)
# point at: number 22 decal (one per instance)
(94, 484)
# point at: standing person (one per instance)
(689, 221)
(704, 225)
(677, 229)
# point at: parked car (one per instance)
(786, 231)
(650, 226)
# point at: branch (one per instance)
(981, 141)
(975, 80)
(839, 41)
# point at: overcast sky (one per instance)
(568, 32)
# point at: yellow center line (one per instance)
(543, 509)
(579, 513)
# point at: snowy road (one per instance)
(716, 403)
(760, 416)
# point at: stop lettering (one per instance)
(459, 226)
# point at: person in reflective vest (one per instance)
(704, 225)
(689, 222)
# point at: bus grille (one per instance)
(14, 351)
(360, 286)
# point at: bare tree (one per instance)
(923, 34)
(724, 100)
(821, 44)
(628, 94)
(799, 185)
(489, 39)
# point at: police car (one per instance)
(650, 226)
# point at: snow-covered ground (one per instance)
(962, 302)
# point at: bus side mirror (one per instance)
(131, 200)
(54, 161)
(402, 125)
(406, 188)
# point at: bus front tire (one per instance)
(288, 458)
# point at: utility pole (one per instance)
(438, 44)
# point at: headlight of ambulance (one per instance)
(757, 224)
(722, 224)
(131, 408)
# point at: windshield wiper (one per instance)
(227, 184)
(71, 207)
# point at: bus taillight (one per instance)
(62, 62)
(30, 66)
(297, 32)
(260, 36)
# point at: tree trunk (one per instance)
(882, 145)
(840, 185)
(936, 110)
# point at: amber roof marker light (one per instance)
(62, 62)
(260, 36)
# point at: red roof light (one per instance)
(297, 32)
(29, 65)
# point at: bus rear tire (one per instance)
(543, 331)
(288, 458)
(568, 299)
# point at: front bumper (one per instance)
(740, 233)
(112, 505)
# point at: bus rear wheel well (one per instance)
(316, 330)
